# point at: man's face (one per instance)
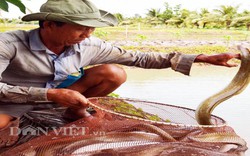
(69, 34)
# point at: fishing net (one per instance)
(121, 126)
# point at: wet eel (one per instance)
(68, 146)
(236, 86)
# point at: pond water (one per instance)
(170, 87)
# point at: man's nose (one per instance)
(85, 35)
(87, 32)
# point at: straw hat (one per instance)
(82, 12)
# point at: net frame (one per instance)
(92, 102)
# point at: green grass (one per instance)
(119, 33)
(10, 27)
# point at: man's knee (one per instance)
(114, 73)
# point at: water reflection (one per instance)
(167, 86)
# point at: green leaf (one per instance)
(19, 4)
(4, 5)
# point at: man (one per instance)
(46, 64)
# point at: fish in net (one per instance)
(172, 130)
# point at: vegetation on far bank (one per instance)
(224, 16)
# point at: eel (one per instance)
(236, 86)
(69, 146)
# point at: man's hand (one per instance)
(67, 98)
(218, 59)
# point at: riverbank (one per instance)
(164, 39)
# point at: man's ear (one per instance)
(48, 24)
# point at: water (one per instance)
(170, 87)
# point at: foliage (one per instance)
(227, 38)
(141, 38)
(114, 95)
(227, 13)
(168, 13)
(225, 16)
(5, 6)
(119, 17)
(174, 16)
(101, 34)
(242, 20)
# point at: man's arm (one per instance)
(19, 94)
(16, 94)
(105, 53)
(177, 61)
(218, 59)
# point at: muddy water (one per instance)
(170, 87)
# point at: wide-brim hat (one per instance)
(81, 12)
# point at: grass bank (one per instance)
(146, 39)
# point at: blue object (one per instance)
(71, 79)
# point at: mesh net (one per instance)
(151, 111)
(124, 127)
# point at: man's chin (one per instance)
(71, 44)
(74, 42)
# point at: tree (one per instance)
(205, 19)
(243, 19)
(177, 10)
(4, 5)
(119, 17)
(181, 17)
(228, 13)
(154, 13)
(174, 21)
(168, 13)
(192, 20)
(154, 16)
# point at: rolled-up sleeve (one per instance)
(18, 94)
(182, 63)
